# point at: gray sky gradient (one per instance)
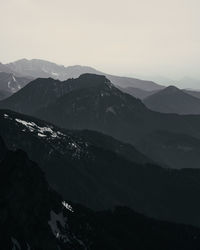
(124, 37)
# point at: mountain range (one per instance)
(36, 68)
(93, 102)
(95, 161)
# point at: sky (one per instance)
(146, 38)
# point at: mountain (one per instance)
(44, 69)
(40, 68)
(93, 102)
(98, 105)
(29, 205)
(101, 173)
(9, 84)
(137, 93)
(173, 100)
(44, 91)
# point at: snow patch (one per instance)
(13, 78)
(41, 135)
(9, 85)
(41, 131)
(54, 74)
(67, 206)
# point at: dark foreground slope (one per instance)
(33, 216)
(100, 172)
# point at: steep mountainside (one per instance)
(44, 69)
(100, 172)
(10, 84)
(33, 216)
(173, 100)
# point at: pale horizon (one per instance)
(143, 39)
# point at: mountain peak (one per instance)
(171, 89)
(94, 77)
(89, 76)
(94, 80)
(173, 100)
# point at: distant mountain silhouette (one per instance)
(33, 216)
(173, 100)
(100, 172)
(40, 68)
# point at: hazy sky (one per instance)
(125, 37)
